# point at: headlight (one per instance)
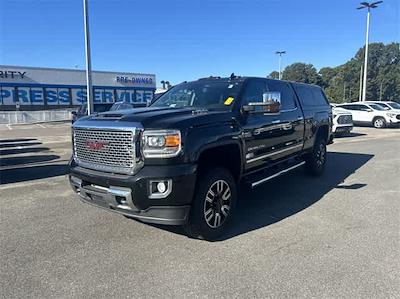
(391, 115)
(161, 143)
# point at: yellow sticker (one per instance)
(229, 101)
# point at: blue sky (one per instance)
(186, 39)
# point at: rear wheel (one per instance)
(316, 160)
(213, 204)
(379, 123)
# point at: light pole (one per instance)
(369, 6)
(89, 90)
(361, 84)
(280, 53)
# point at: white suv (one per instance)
(342, 121)
(393, 106)
(371, 114)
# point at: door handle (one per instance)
(300, 118)
(277, 121)
(287, 126)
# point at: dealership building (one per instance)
(34, 88)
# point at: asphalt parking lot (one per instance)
(297, 236)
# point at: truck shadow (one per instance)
(23, 160)
(349, 135)
(32, 173)
(290, 194)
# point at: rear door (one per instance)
(354, 109)
(290, 119)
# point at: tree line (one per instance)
(342, 83)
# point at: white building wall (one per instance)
(46, 88)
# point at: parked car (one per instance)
(387, 105)
(342, 121)
(181, 160)
(371, 114)
(82, 110)
(122, 105)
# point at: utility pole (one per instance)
(280, 53)
(380, 92)
(361, 85)
(369, 6)
(89, 89)
(344, 92)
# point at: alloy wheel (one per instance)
(217, 203)
(379, 123)
(321, 155)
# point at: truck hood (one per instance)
(160, 117)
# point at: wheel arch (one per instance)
(227, 155)
(322, 132)
(377, 117)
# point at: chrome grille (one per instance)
(105, 149)
(345, 119)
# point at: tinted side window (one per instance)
(305, 95)
(287, 95)
(363, 108)
(310, 95)
(319, 97)
(349, 107)
(254, 91)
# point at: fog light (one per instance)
(159, 188)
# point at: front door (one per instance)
(269, 137)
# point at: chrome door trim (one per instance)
(275, 153)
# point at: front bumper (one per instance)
(129, 195)
(393, 121)
(342, 128)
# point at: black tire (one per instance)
(316, 160)
(379, 122)
(205, 206)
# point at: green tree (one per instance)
(301, 72)
(273, 75)
(342, 83)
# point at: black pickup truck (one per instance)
(181, 160)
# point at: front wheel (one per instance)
(379, 123)
(316, 160)
(213, 204)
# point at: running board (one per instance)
(255, 184)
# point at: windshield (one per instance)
(394, 105)
(377, 107)
(205, 94)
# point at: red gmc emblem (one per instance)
(95, 145)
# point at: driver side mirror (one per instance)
(271, 103)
